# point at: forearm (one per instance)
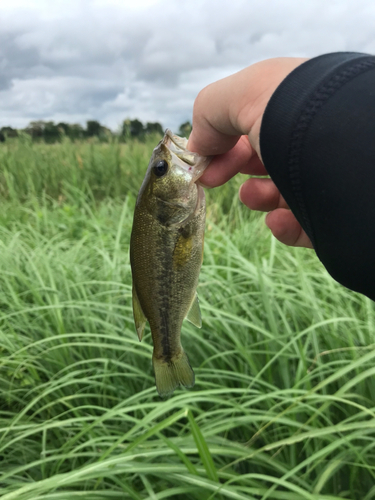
(317, 142)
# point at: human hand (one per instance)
(227, 118)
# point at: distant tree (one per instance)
(2, 137)
(106, 134)
(73, 131)
(185, 129)
(9, 132)
(154, 128)
(93, 128)
(136, 128)
(76, 131)
(133, 128)
(35, 129)
(51, 132)
(64, 128)
(47, 131)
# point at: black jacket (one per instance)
(318, 144)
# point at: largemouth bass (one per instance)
(166, 252)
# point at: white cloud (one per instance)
(110, 59)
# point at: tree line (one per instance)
(50, 132)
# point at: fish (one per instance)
(166, 254)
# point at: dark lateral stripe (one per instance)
(163, 299)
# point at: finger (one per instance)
(254, 167)
(209, 142)
(261, 194)
(234, 106)
(225, 166)
(213, 132)
(287, 229)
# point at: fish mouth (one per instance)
(193, 163)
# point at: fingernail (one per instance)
(204, 185)
(239, 193)
(266, 219)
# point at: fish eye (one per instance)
(160, 168)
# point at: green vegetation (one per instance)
(283, 406)
(50, 132)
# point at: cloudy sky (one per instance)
(75, 60)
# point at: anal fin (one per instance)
(139, 317)
(194, 314)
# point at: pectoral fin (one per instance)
(139, 318)
(194, 314)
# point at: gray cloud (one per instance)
(77, 60)
(14, 60)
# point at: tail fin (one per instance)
(169, 375)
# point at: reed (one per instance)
(283, 406)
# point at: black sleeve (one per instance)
(318, 145)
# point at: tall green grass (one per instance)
(98, 169)
(283, 406)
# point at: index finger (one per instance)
(240, 158)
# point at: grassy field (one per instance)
(283, 406)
